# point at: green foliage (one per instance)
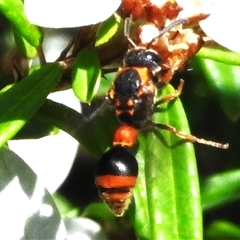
(220, 189)
(223, 81)
(107, 29)
(167, 180)
(26, 49)
(223, 230)
(167, 201)
(86, 75)
(219, 55)
(19, 103)
(13, 11)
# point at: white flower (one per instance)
(192, 8)
(222, 25)
(69, 13)
(45, 155)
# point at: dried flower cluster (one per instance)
(178, 44)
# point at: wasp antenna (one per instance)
(127, 25)
(168, 28)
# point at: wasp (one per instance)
(133, 94)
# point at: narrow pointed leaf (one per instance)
(86, 75)
(168, 203)
(220, 189)
(107, 29)
(19, 103)
(13, 11)
(219, 55)
(223, 230)
(26, 49)
(223, 81)
(93, 134)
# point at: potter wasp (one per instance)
(133, 94)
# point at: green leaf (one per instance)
(25, 204)
(26, 49)
(223, 81)
(106, 83)
(20, 102)
(65, 208)
(223, 230)
(223, 56)
(107, 29)
(167, 199)
(86, 75)
(220, 189)
(101, 212)
(139, 207)
(95, 135)
(13, 11)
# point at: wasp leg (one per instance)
(172, 95)
(99, 110)
(189, 137)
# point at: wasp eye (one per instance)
(153, 57)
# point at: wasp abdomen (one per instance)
(116, 177)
